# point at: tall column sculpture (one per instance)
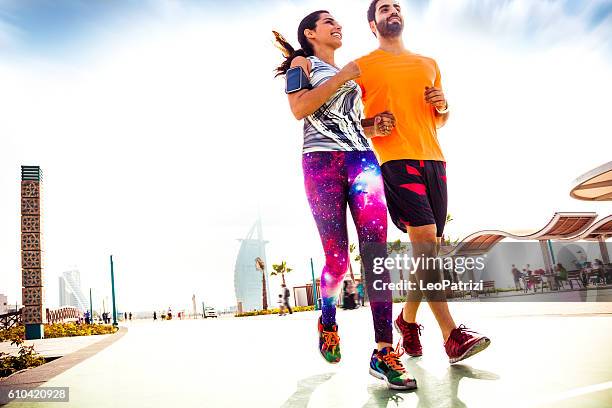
(31, 253)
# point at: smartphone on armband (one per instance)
(296, 80)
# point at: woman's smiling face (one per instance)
(328, 32)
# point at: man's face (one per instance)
(388, 19)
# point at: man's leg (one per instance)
(426, 244)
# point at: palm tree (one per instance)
(260, 266)
(281, 269)
(447, 240)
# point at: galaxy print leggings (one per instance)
(333, 180)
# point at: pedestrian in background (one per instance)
(361, 293)
(281, 305)
(286, 294)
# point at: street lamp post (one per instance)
(113, 292)
(314, 287)
(91, 319)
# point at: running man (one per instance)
(413, 167)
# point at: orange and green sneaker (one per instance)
(329, 342)
(387, 366)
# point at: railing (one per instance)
(63, 314)
(10, 320)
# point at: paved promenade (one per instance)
(542, 355)
(55, 347)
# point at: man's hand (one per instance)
(384, 123)
(380, 125)
(435, 97)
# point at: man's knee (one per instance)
(426, 234)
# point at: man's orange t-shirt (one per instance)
(396, 83)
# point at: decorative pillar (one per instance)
(605, 257)
(31, 254)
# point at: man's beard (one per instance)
(385, 29)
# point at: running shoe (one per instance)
(387, 366)
(329, 342)
(410, 333)
(463, 343)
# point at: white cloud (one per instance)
(160, 141)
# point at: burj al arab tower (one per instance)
(247, 278)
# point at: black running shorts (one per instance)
(416, 193)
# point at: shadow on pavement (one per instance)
(305, 388)
(431, 391)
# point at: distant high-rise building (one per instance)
(3, 304)
(247, 279)
(70, 293)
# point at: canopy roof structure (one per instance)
(563, 225)
(601, 230)
(596, 185)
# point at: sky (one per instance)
(162, 133)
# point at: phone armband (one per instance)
(296, 80)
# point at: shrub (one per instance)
(60, 330)
(273, 311)
(26, 358)
(74, 329)
(12, 333)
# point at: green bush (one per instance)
(273, 311)
(17, 332)
(74, 329)
(60, 330)
(26, 358)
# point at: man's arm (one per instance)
(435, 97)
(441, 118)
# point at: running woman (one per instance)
(341, 170)
(413, 166)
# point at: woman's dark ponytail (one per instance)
(308, 23)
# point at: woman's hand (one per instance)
(384, 123)
(350, 71)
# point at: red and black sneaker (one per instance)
(410, 333)
(463, 343)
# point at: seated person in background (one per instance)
(527, 272)
(608, 273)
(585, 272)
(348, 296)
(599, 270)
(560, 274)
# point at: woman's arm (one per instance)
(307, 101)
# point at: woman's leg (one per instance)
(369, 211)
(326, 188)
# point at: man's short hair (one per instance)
(372, 11)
